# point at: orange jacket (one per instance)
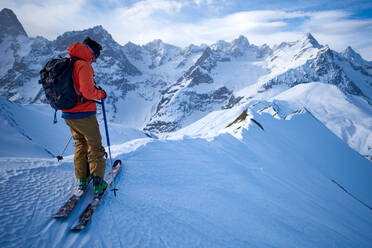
(83, 74)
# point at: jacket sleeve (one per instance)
(86, 81)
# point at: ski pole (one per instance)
(60, 157)
(108, 141)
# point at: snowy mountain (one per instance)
(158, 87)
(9, 25)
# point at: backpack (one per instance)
(57, 80)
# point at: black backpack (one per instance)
(57, 80)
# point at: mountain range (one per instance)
(161, 88)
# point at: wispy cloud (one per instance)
(200, 2)
(48, 18)
(335, 22)
(193, 21)
(338, 30)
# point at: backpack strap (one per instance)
(82, 99)
(73, 60)
(55, 116)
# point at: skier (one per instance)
(89, 154)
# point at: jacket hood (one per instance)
(81, 51)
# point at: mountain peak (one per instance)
(193, 48)
(241, 41)
(155, 45)
(131, 44)
(221, 45)
(158, 45)
(353, 56)
(239, 46)
(9, 24)
(309, 39)
(156, 42)
(99, 29)
(97, 33)
(350, 51)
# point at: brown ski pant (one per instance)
(88, 146)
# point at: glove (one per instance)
(104, 92)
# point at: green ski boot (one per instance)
(99, 186)
(84, 182)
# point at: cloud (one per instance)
(47, 18)
(141, 25)
(200, 2)
(339, 30)
(142, 22)
(335, 22)
(257, 24)
(149, 7)
(196, 21)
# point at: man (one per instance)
(82, 118)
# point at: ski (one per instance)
(86, 216)
(71, 203)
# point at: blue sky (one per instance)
(336, 23)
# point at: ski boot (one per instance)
(99, 186)
(84, 182)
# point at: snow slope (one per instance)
(29, 131)
(241, 186)
(350, 118)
